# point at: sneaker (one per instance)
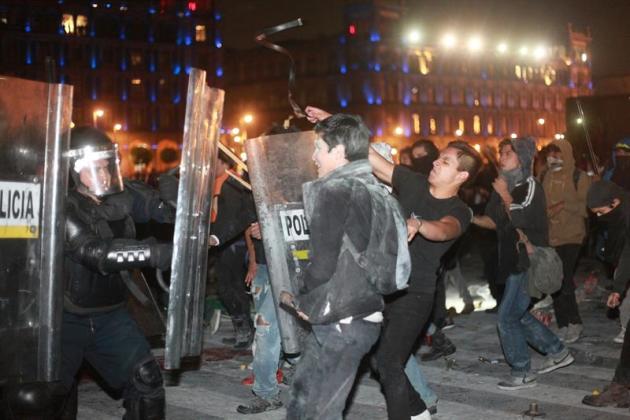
(544, 303)
(425, 415)
(528, 380)
(562, 333)
(613, 394)
(448, 323)
(574, 332)
(437, 352)
(556, 361)
(259, 405)
(619, 337)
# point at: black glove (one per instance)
(161, 254)
(168, 186)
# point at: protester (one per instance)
(518, 202)
(435, 218)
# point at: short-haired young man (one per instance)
(435, 218)
(346, 208)
(518, 202)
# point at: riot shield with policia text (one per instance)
(34, 136)
(184, 326)
(278, 166)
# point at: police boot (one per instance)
(144, 397)
(441, 347)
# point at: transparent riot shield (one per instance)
(34, 135)
(278, 166)
(204, 110)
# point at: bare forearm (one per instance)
(382, 169)
(485, 222)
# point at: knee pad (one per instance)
(144, 394)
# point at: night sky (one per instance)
(517, 21)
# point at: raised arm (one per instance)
(382, 169)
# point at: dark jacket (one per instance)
(340, 211)
(234, 212)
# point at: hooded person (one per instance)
(620, 171)
(517, 210)
(565, 189)
(609, 202)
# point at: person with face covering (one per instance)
(518, 202)
(565, 191)
(619, 173)
(609, 202)
(423, 154)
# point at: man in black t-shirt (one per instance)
(436, 217)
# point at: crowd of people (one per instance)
(385, 239)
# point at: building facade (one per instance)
(127, 60)
(440, 89)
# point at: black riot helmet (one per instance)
(94, 162)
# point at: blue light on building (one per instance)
(218, 43)
(188, 40)
(152, 64)
(122, 35)
(407, 99)
(62, 78)
(188, 68)
(153, 94)
(342, 39)
(407, 131)
(176, 98)
(375, 36)
(27, 26)
(217, 16)
(343, 69)
(29, 55)
(176, 69)
(187, 13)
(152, 10)
(123, 95)
(405, 67)
(379, 100)
(379, 131)
(62, 59)
(153, 125)
(108, 5)
(377, 67)
(61, 31)
(93, 60)
(94, 93)
(219, 72)
(123, 63)
(343, 103)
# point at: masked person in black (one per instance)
(423, 154)
(610, 204)
(100, 248)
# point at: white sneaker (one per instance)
(619, 337)
(425, 415)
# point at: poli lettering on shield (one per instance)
(296, 234)
(19, 210)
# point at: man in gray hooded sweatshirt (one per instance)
(518, 202)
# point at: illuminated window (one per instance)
(432, 126)
(476, 124)
(136, 82)
(423, 64)
(517, 71)
(490, 127)
(81, 24)
(67, 21)
(200, 33)
(549, 76)
(416, 123)
(136, 59)
(461, 125)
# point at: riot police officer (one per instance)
(100, 248)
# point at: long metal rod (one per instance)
(589, 145)
(239, 162)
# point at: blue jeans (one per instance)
(518, 328)
(267, 339)
(418, 381)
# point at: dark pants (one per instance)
(110, 342)
(622, 373)
(439, 305)
(405, 318)
(231, 271)
(325, 374)
(564, 303)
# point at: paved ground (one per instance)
(466, 386)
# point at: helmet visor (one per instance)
(97, 170)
